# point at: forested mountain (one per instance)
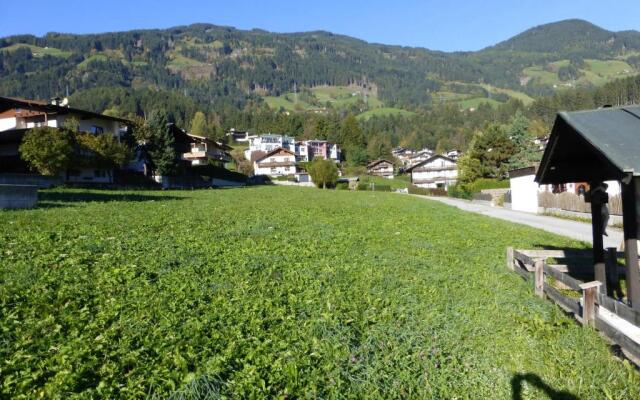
(571, 37)
(218, 66)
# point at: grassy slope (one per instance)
(596, 72)
(280, 292)
(39, 51)
(476, 101)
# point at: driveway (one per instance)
(573, 229)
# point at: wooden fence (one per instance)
(572, 202)
(586, 301)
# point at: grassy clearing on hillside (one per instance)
(475, 102)
(596, 72)
(280, 293)
(39, 51)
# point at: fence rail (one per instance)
(591, 306)
(572, 202)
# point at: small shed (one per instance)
(596, 146)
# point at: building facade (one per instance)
(278, 162)
(435, 172)
(382, 168)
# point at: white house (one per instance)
(524, 190)
(435, 172)
(382, 168)
(269, 142)
(278, 162)
(17, 116)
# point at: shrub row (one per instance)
(427, 192)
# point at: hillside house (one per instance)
(268, 143)
(278, 162)
(199, 150)
(435, 172)
(382, 168)
(238, 136)
(18, 116)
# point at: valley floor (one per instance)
(277, 292)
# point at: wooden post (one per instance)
(539, 278)
(589, 291)
(611, 267)
(510, 258)
(597, 232)
(629, 219)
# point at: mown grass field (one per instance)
(273, 292)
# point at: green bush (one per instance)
(427, 192)
(362, 186)
(459, 191)
(342, 186)
(484, 183)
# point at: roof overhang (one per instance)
(592, 146)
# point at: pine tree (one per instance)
(162, 145)
(199, 124)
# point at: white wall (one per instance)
(7, 123)
(524, 194)
(259, 168)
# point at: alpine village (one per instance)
(205, 212)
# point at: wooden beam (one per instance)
(629, 219)
(589, 292)
(597, 230)
(539, 278)
(510, 258)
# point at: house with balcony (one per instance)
(278, 162)
(268, 143)
(18, 116)
(197, 150)
(382, 168)
(321, 149)
(437, 171)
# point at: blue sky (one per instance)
(440, 25)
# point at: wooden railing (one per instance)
(586, 301)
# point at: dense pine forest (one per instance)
(315, 84)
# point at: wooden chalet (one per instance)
(382, 168)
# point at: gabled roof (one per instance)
(273, 152)
(8, 103)
(595, 145)
(428, 160)
(376, 162)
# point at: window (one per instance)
(286, 169)
(273, 170)
(97, 130)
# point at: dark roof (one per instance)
(257, 155)
(272, 152)
(428, 160)
(7, 103)
(595, 145)
(519, 172)
(182, 136)
(376, 162)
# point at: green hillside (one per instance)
(221, 66)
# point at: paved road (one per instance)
(573, 229)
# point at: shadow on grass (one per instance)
(66, 199)
(534, 380)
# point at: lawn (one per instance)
(272, 292)
(398, 182)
